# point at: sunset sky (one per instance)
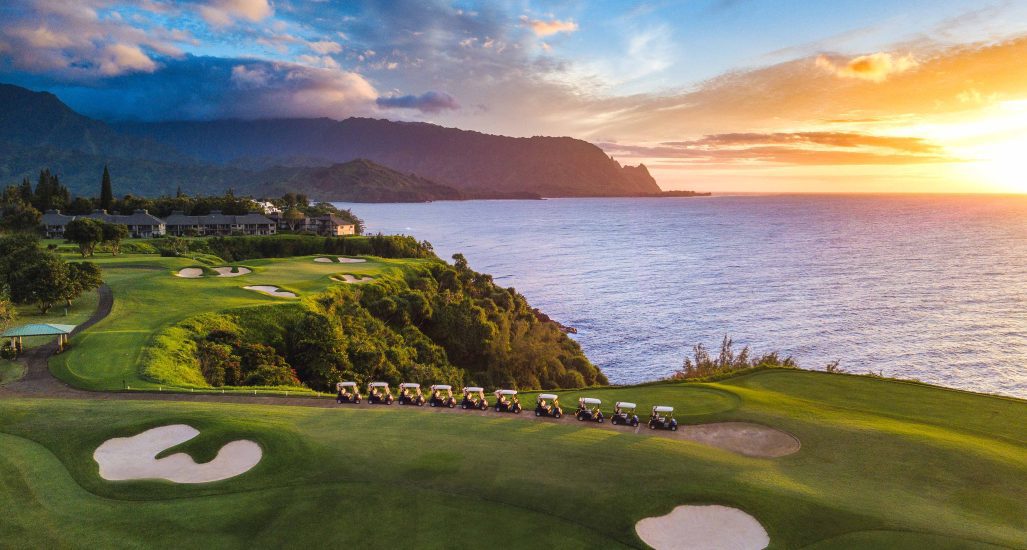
(723, 95)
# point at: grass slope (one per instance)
(882, 464)
(149, 298)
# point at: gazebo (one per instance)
(46, 329)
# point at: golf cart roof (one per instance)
(378, 385)
(347, 384)
(506, 392)
(590, 401)
(474, 389)
(663, 409)
(409, 385)
(441, 387)
(626, 405)
(548, 396)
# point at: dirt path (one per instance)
(744, 438)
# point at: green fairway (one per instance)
(149, 298)
(882, 464)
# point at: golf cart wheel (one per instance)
(674, 428)
(497, 408)
(614, 421)
(652, 426)
(557, 414)
(431, 404)
(634, 423)
(518, 410)
(600, 420)
(581, 418)
(452, 405)
(537, 413)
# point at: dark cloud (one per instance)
(428, 102)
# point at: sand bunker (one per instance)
(190, 273)
(271, 291)
(134, 457)
(703, 527)
(351, 279)
(227, 271)
(351, 260)
(740, 437)
(323, 260)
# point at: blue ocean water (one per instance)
(926, 287)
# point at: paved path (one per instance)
(740, 437)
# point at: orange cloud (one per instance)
(876, 67)
(548, 28)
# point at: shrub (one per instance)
(702, 364)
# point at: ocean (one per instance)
(932, 288)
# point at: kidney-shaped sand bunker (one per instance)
(705, 527)
(124, 458)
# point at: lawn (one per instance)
(882, 464)
(149, 298)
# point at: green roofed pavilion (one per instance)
(44, 329)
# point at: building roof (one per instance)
(54, 217)
(217, 218)
(45, 329)
(139, 217)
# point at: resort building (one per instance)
(216, 223)
(327, 225)
(141, 224)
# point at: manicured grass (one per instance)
(10, 371)
(149, 298)
(882, 464)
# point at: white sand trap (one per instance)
(133, 457)
(351, 260)
(190, 273)
(227, 271)
(351, 279)
(271, 291)
(703, 528)
(323, 260)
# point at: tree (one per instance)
(7, 311)
(86, 233)
(48, 280)
(26, 191)
(113, 234)
(82, 277)
(19, 217)
(293, 217)
(106, 192)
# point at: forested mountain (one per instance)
(38, 131)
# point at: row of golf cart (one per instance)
(546, 404)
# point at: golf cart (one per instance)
(552, 408)
(346, 392)
(410, 394)
(474, 398)
(442, 396)
(379, 393)
(588, 409)
(506, 401)
(663, 418)
(624, 414)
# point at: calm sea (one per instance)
(926, 287)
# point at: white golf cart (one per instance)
(410, 394)
(347, 392)
(588, 409)
(442, 396)
(548, 404)
(624, 414)
(506, 401)
(379, 393)
(474, 398)
(663, 419)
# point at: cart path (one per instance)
(745, 438)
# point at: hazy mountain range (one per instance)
(400, 161)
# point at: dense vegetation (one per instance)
(704, 365)
(437, 324)
(233, 249)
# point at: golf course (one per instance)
(867, 462)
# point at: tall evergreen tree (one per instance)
(43, 196)
(26, 191)
(106, 193)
